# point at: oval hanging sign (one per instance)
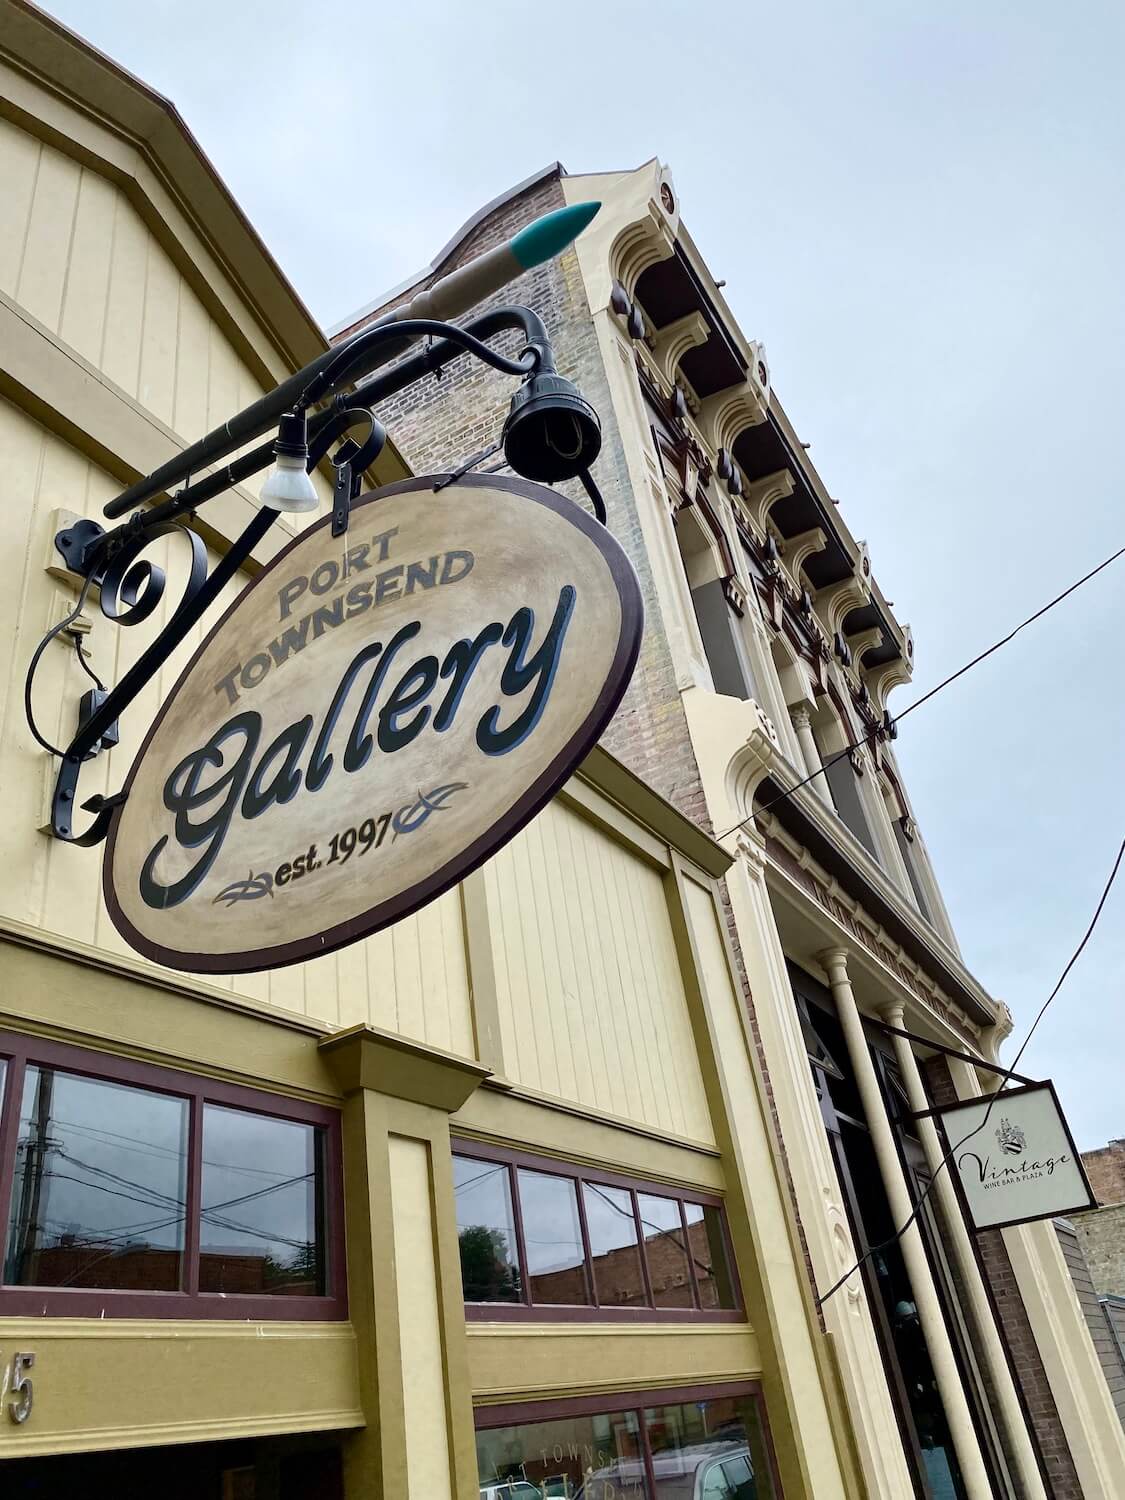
(373, 717)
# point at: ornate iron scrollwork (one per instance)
(132, 586)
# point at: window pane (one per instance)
(595, 1457)
(707, 1246)
(261, 1222)
(486, 1231)
(613, 1246)
(99, 1190)
(556, 1263)
(711, 1449)
(665, 1251)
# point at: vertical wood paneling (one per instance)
(77, 255)
(50, 226)
(19, 167)
(413, 978)
(82, 320)
(588, 988)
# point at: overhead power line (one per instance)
(1004, 1081)
(925, 698)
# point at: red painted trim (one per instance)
(509, 1414)
(548, 1312)
(19, 1301)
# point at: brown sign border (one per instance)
(1056, 1213)
(536, 797)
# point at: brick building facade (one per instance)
(769, 651)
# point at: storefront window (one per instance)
(614, 1246)
(486, 1231)
(138, 1191)
(596, 1457)
(557, 1238)
(705, 1445)
(556, 1260)
(261, 1226)
(707, 1246)
(666, 1251)
(99, 1190)
(708, 1450)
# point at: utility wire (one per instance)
(1004, 1081)
(895, 719)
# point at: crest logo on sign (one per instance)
(373, 717)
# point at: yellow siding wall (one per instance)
(590, 999)
(588, 988)
(77, 255)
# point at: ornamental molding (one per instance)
(851, 915)
(882, 679)
(729, 412)
(796, 551)
(643, 243)
(835, 602)
(761, 495)
(864, 640)
(671, 343)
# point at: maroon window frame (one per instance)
(518, 1413)
(19, 1050)
(540, 1312)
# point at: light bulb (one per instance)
(288, 486)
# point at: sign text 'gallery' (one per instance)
(374, 716)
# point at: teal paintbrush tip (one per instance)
(552, 233)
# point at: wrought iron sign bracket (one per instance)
(551, 434)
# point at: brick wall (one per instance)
(1031, 1381)
(439, 423)
(1106, 1346)
(1102, 1236)
(1105, 1168)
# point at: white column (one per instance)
(991, 1346)
(799, 713)
(946, 1373)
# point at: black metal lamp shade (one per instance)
(552, 433)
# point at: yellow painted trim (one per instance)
(518, 1362)
(648, 808)
(94, 1006)
(364, 1057)
(579, 1111)
(584, 798)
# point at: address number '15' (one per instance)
(20, 1388)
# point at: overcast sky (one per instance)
(919, 209)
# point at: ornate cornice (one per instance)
(728, 412)
(757, 498)
(796, 551)
(835, 602)
(671, 343)
(643, 243)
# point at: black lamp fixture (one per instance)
(552, 433)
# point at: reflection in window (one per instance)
(99, 1190)
(711, 1447)
(486, 1231)
(598, 1457)
(261, 1224)
(612, 1227)
(710, 1450)
(707, 1246)
(665, 1251)
(552, 1232)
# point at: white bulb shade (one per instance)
(288, 486)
